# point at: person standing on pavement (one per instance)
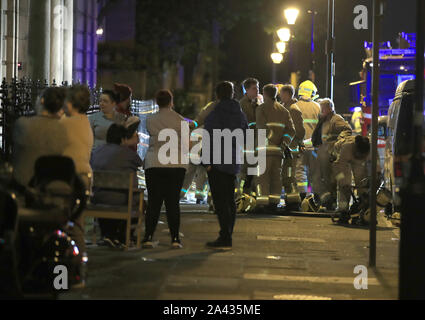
(197, 171)
(101, 121)
(164, 180)
(249, 104)
(307, 168)
(289, 181)
(276, 120)
(123, 94)
(329, 128)
(227, 114)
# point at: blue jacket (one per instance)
(226, 115)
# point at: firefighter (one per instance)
(249, 104)
(289, 181)
(329, 128)
(307, 168)
(198, 171)
(274, 118)
(351, 158)
(356, 121)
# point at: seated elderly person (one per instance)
(78, 129)
(41, 135)
(115, 155)
(132, 134)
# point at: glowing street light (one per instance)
(284, 34)
(281, 46)
(276, 57)
(99, 31)
(291, 15)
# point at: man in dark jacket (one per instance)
(222, 167)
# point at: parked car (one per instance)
(399, 141)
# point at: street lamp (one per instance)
(291, 15)
(284, 34)
(276, 57)
(281, 46)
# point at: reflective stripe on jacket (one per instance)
(273, 117)
(310, 112)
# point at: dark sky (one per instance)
(247, 48)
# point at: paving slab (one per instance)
(273, 258)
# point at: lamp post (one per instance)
(330, 49)
(281, 46)
(277, 58)
(284, 34)
(313, 58)
(291, 15)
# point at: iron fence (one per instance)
(18, 98)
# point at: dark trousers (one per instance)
(223, 193)
(164, 185)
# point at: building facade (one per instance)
(49, 39)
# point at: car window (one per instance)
(403, 134)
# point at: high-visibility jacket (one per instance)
(356, 121)
(310, 112)
(297, 119)
(333, 127)
(273, 117)
(249, 107)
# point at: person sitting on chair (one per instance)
(41, 135)
(115, 155)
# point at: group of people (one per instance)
(309, 150)
(107, 139)
(312, 153)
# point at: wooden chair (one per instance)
(113, 180)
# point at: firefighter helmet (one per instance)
(308, 89)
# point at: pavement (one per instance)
(273, 258)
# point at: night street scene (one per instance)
(212, 158)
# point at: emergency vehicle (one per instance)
(396, 66)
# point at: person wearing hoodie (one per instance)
(289, 181)
(227, 114)
(274, 118)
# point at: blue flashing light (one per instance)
(398, 52)
(404, 77)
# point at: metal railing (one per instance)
(18, 98)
